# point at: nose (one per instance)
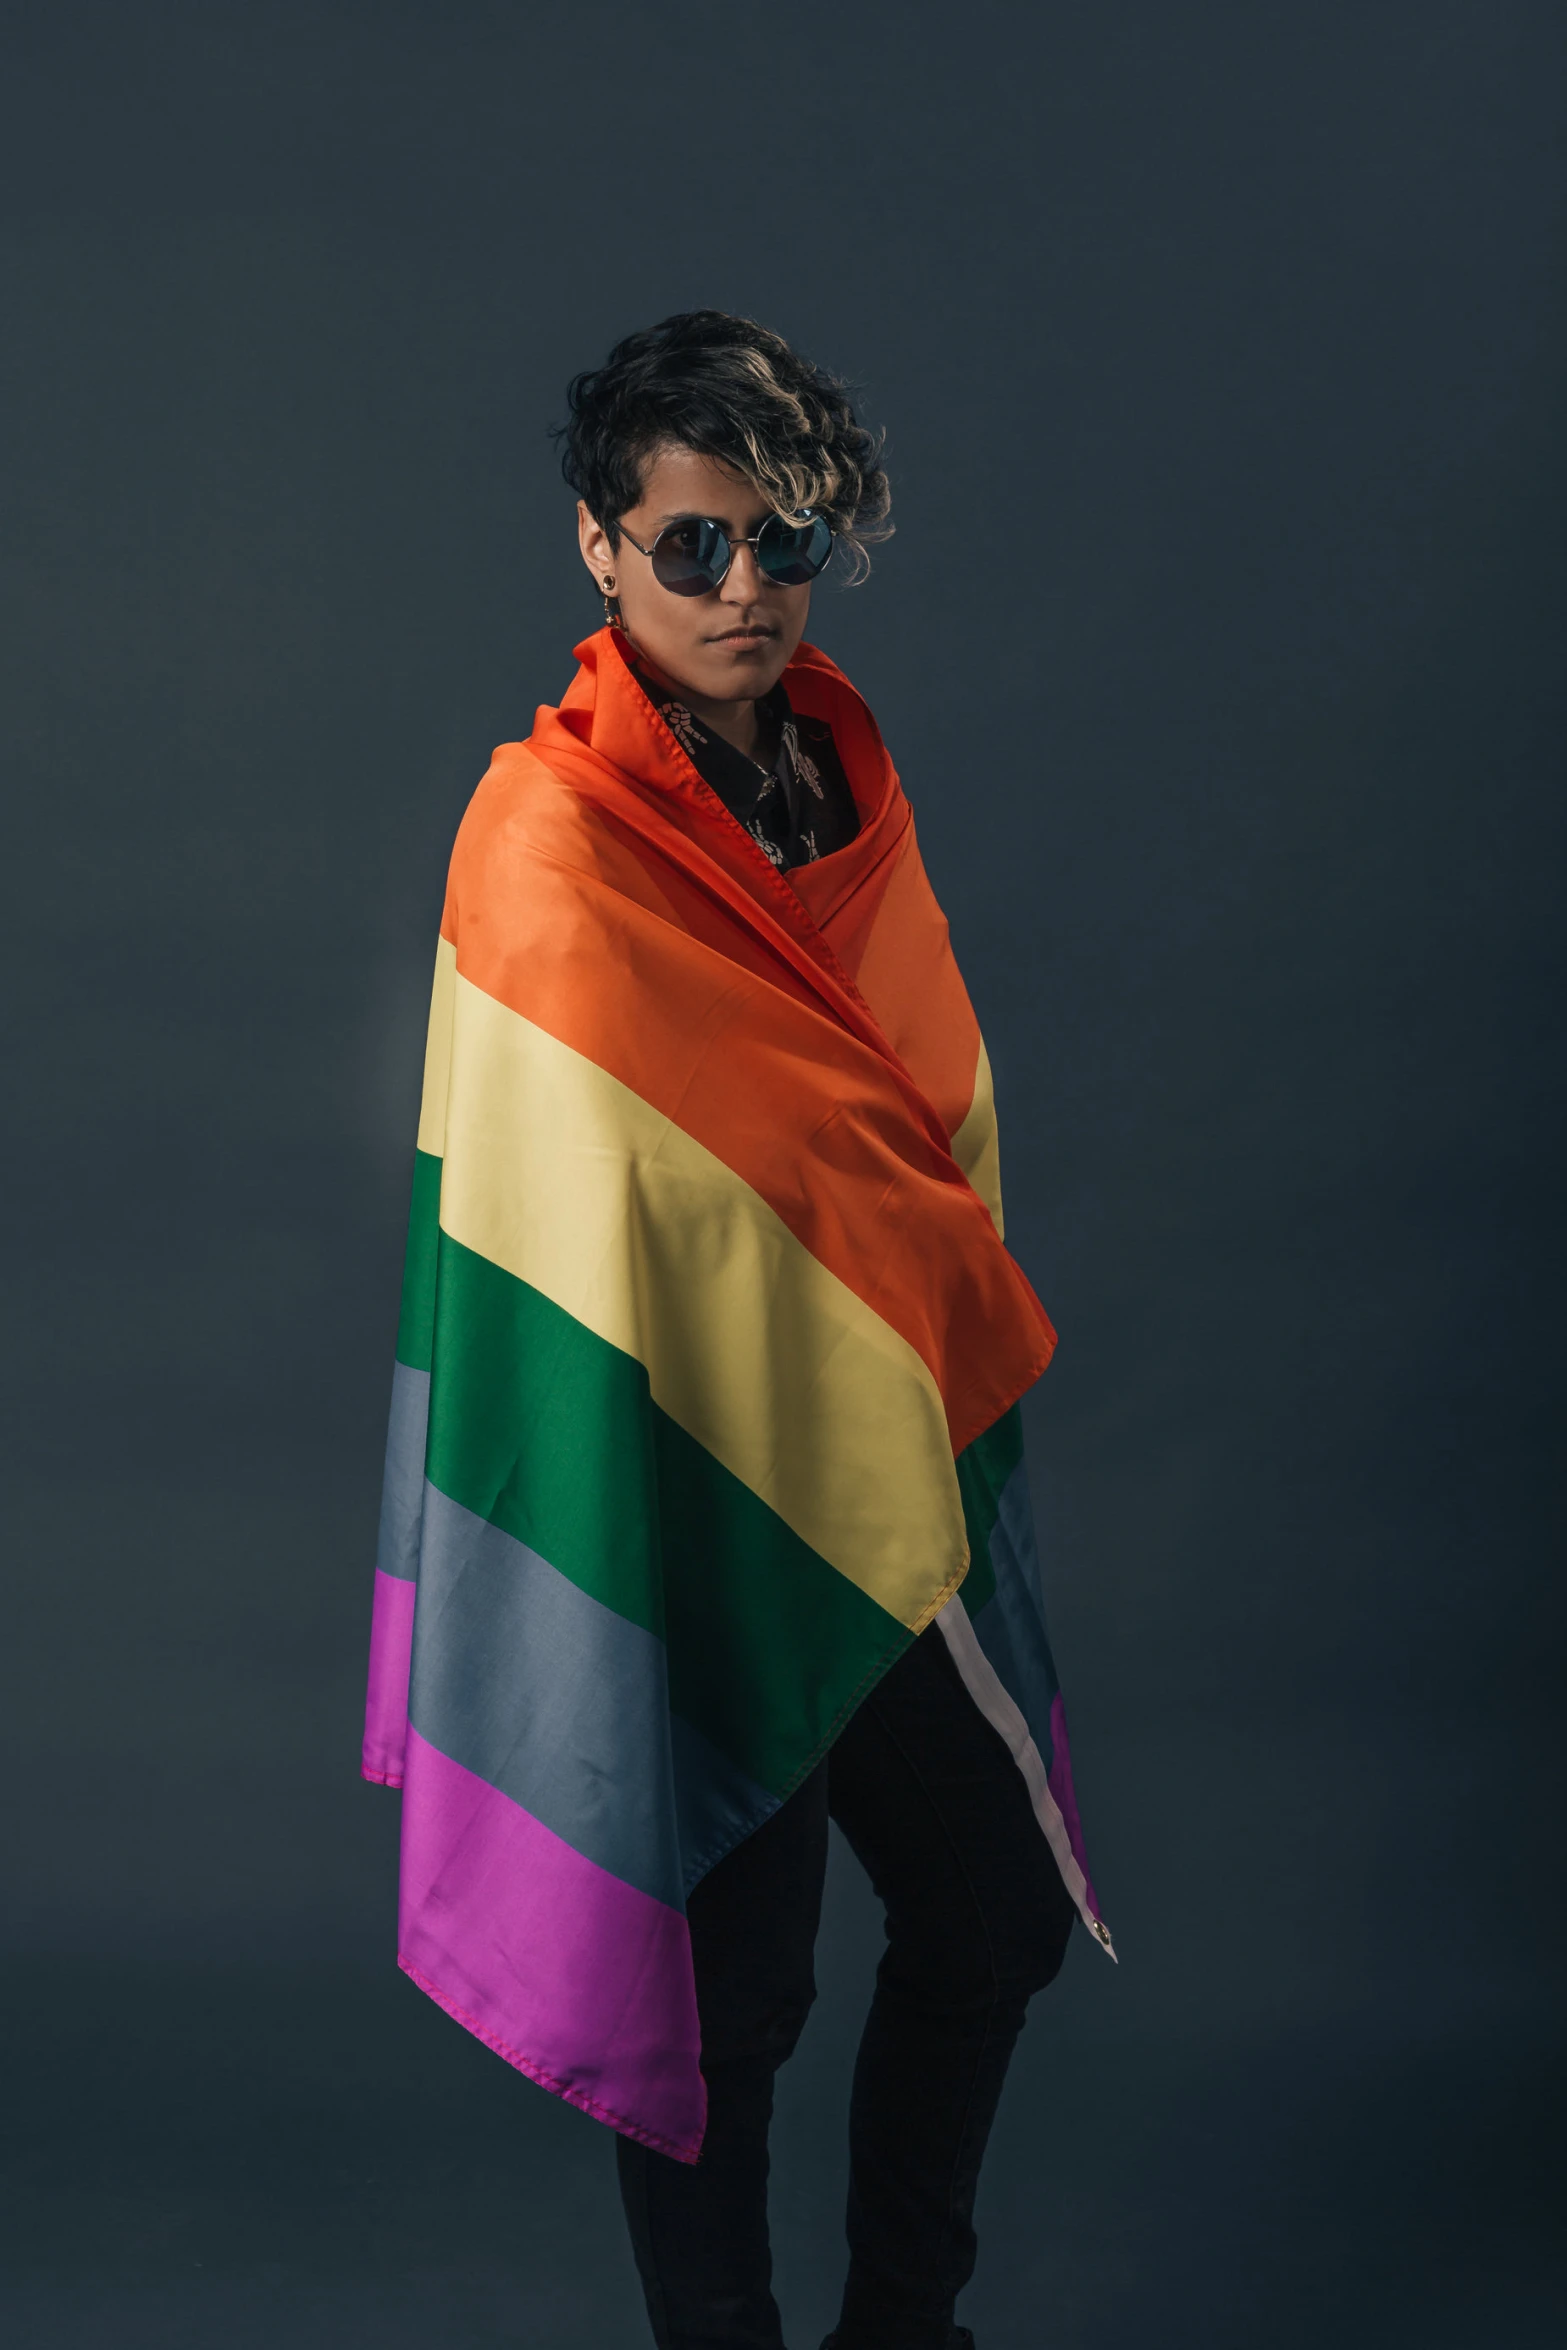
(742, 583)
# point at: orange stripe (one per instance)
(582, 919)
(893, 942)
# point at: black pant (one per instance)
(977, 1920)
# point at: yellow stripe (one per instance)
(974, 1145)
(438, 1051)
(569, 1180)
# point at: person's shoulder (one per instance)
(519, 788)
(521, 809)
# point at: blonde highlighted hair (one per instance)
(729, 389)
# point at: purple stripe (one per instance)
(1059, 1780)
(386, 1699)
(576, 1978)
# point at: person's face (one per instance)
(731, 644)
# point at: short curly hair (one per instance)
(733, 390)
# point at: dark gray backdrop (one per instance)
(1221, 351)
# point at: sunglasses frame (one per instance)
(685, 521)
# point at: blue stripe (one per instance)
(528, 1681)
(402, 1484)
(717, 1805)
(1010, 1627)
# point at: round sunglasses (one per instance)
(692, 557)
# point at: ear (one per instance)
(597, 553)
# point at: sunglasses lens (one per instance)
(690, 558)
(792, 553)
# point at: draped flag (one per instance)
(707, 1377)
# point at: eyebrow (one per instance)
(695, 514)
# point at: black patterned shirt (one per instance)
(797, 808)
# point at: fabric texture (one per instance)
(928, 1795)
(706, 1384)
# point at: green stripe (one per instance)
(551, 1433)
(983, 1469)
(416, 1322)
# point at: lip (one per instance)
(745, 636)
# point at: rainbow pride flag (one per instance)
(707, 1377)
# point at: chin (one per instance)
(744, 674)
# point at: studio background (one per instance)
(1220, 648)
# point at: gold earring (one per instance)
(611, 610)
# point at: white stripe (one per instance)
(983, 1685)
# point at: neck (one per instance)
(736, 722)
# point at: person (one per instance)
(697, 1019)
